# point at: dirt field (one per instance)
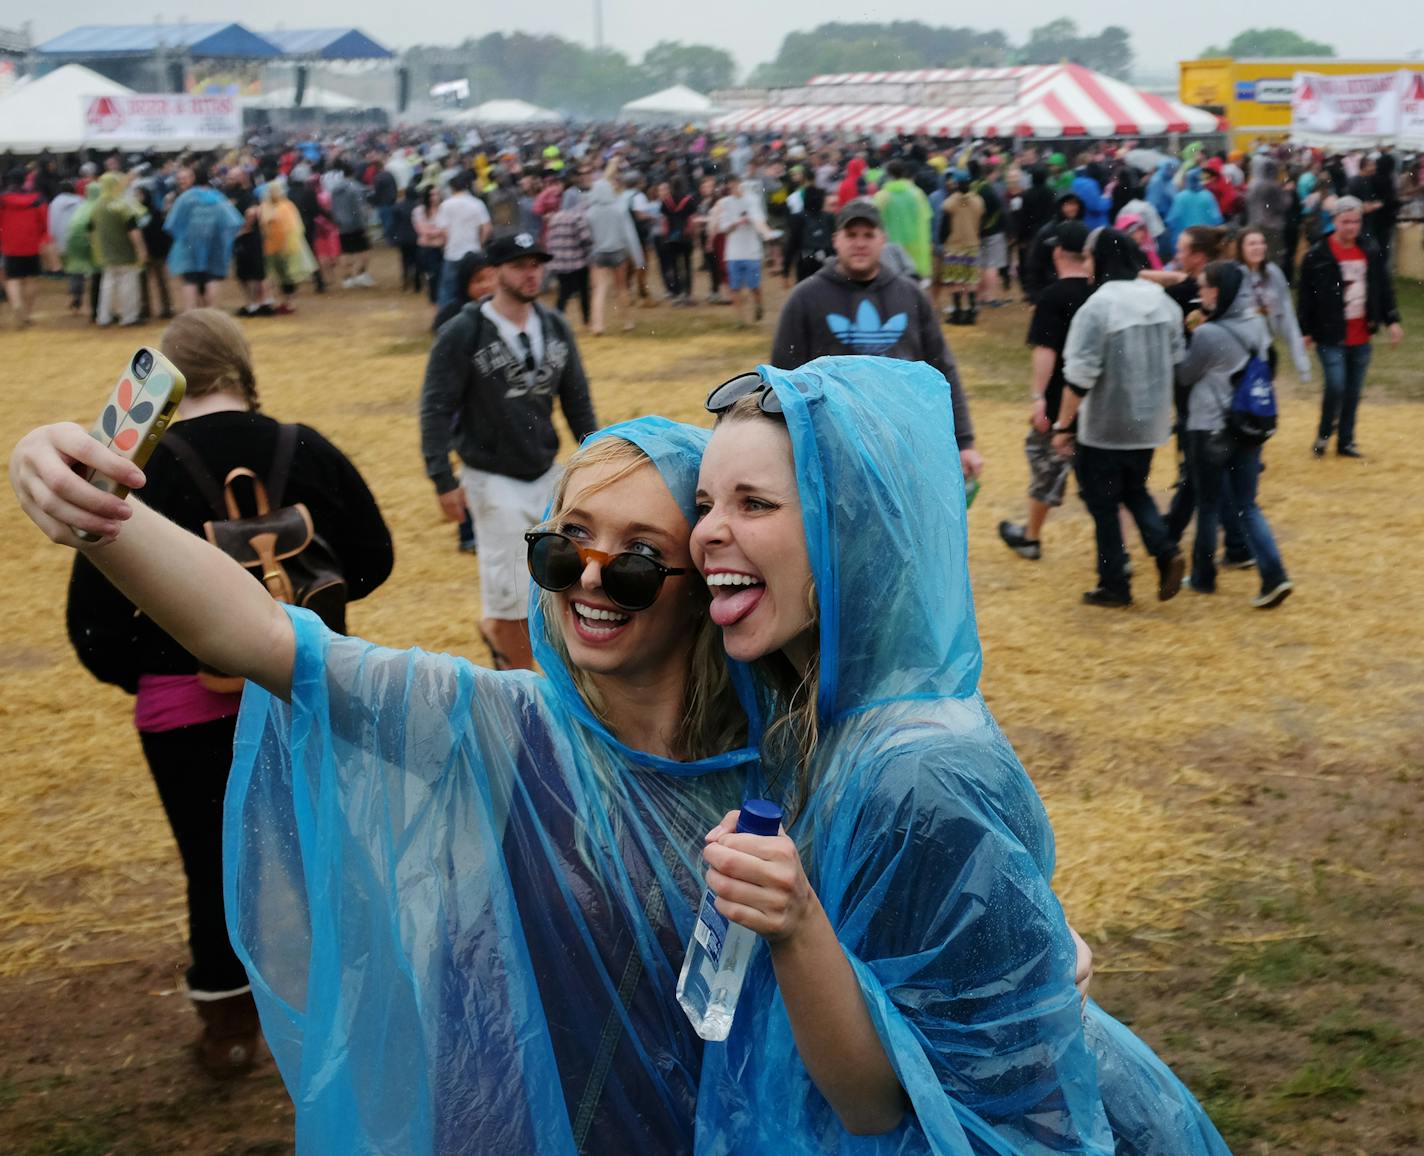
(1235, 793)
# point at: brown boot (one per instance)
(228, 1045)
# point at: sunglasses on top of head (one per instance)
(743, 385)
(631, 581)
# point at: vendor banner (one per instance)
(1382, 107)
(173, 118)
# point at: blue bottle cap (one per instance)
(759, 817)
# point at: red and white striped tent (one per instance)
(1047, 101)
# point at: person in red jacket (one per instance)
(1228, 197)
(24, 229)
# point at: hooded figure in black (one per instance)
(470, 264)
(1038, 272)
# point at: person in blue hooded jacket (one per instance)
(832, 533)
(1161, 193)
(203, 224)
(461, 895)
(1088, 186)
(1194, 205)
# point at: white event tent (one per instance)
(314, 98)
(676, 105)
(48, 112)
(505, 112)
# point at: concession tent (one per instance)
(505, 112)
(676, 105)
(1042, 101)
(48, 112)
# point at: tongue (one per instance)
(728, 609)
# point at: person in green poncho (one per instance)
(78, 261)
(907, 215)
(1060, 176)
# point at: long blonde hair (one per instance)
(794, 730)
(713, 721)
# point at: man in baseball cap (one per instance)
(499, 367)
(859, 304)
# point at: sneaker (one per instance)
(1188, 584)
(1318, 449)
(1270, 599)
(1349, 451)
(366, 281)
(1102, 596)
(349, 283)
(971, 316)
(1169, 572)
(1236, 562)
(1013, 537)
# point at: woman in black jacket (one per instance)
(186, 728)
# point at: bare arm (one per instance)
(191, 589)
(759, 883)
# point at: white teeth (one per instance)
(729, 579)
(597, 615)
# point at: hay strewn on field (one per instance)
(1125, 720)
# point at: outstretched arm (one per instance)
(191, 589)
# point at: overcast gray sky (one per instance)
(752, 29)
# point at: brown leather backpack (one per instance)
(278, 544)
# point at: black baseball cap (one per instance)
(1070, 236)
(860, 209)
(502, 250)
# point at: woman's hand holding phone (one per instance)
(45, 469)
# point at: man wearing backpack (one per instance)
(497, 367)
(1346, 294)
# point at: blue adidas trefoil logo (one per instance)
(866, 334)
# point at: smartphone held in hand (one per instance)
(138, 411)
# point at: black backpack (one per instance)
(278, 543)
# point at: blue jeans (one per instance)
(1344, 367)
(1237, 477)
(449, 289)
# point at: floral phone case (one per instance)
(136, 414)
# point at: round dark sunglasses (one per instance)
(743, 385)
(631, 581)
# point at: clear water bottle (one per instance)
(717, 957)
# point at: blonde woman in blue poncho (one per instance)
(462, 896)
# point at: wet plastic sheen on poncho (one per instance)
(463, 904)
(923, 837)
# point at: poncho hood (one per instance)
(883, 506)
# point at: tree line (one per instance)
(560, 74)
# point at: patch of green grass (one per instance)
(75, 1138)
(1372, 1044)
(9, 1093)
(1323, 1082)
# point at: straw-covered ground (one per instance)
(1235, 793)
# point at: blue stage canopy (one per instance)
(328, 44)
(226, 41)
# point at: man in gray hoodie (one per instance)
(855, 305)
(1123, 345)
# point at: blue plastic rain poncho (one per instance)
(1161, 192)
(203, 224)
(923, 837)
(463, 903)
(1194, 205)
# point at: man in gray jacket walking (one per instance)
(489, 392)
(1123, 345)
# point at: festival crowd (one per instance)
(459, 897)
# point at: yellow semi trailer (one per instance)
(1254, 94)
